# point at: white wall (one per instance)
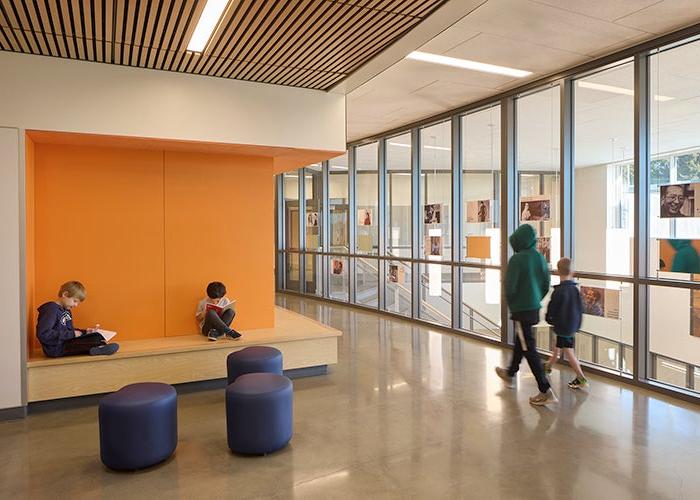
(55, 94)
(10, 329)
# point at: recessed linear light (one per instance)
(466, 64)
(402, 145)
(339, 167)
(617, 90)
(207, 24)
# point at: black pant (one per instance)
(212, 321)
(82, 344)
(527, 319)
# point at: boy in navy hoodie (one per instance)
(564, 314)
(55, 328)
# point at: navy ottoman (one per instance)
(259, 413)
(258, 359)
(138, 426)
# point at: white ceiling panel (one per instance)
(448, 39)
(541, 36)
(503, 51)
(540, 24)
(664, 16)
(451, 94)
(607, 10)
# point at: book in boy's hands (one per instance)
(220, 306)
(106, 334)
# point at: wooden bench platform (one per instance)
(304, 343)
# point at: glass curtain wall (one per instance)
(435, 280)
(674, 223)
(367, 234)
(290, 183)
(338, 221)
(537, 159)
(481, 206)
(614, 201)
(399, 224)
(604, 212)
(313, 192)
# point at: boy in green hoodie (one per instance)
(526, 284)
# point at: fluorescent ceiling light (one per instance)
(426, 146)
(207, 24)
(616, 90)
(466, 64)
(340, 167)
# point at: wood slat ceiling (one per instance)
(302, 43)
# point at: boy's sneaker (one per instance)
(233, 334)
(578, 383)
(503, 374)
(544, 398)
(213, 335)
(104, 350)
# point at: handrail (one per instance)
(489, 325)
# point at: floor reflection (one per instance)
(408, 412)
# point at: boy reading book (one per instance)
(55, 328)
(215, 313)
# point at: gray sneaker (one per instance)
(544, 398)
(503, 374)
(213, 335)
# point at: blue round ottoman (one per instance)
(138, 426)
(259, 413)
(257, 359)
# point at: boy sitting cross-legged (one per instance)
(55, 328)
(215, 313)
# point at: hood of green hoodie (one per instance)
(678, 244)
(523, 238)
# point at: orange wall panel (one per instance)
(30, 245)
(99, 220)
(219, 226)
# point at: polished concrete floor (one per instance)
(407, 413)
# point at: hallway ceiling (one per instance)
(541, 36)
(301, 43)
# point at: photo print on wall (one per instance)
(339, 236)
(535, 208)
(479, 211)
(679, 256)
(544, 246)
(396, 273)
(312, 219)
(432, 213)
(601, 302)
(433, 246)
(337, 266)
(364, 217)
(678, 201)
